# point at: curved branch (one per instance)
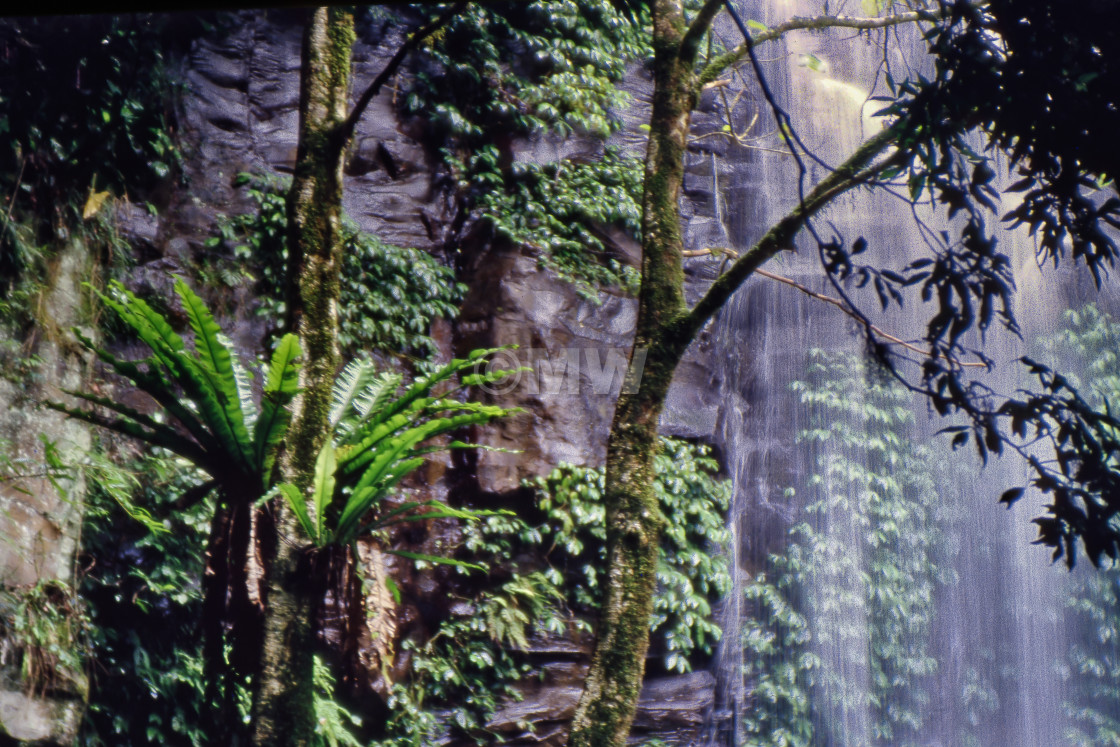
(798, 23)
(853, 172)
(838, 303)
(690, 44)
(346, 129)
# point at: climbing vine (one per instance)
(550, 580)
(390, 295)
(853, 591)
(560, 208)
(86, 125)
(531, 71)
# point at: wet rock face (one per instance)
(670, 708)
(241, 113)
(39, 523)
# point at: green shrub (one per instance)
(389, 298)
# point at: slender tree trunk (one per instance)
(283, 707)
(634, 520)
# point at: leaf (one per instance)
(437, 559)
(219, 374)
(814, 63)
(1010, 496)
(296, 500)
(281, 385)
(93, 204)
(323, 486)
(394, 590)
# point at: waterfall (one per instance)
(986, 650)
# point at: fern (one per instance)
(379, 440)
(205, 389)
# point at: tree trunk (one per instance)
(634, 520)
(283, 706)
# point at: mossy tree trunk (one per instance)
(283, 698)
(634, 520)
(665, 328)
(283, 706)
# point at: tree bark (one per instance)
(283, 705)
(634, 520)
(665, 327)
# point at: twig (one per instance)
(346, 129)
(827, 299)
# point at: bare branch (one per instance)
(690, 44)
(798, 23)
(838, 303)
(857, 170)
(346, 129)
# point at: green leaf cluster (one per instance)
(95, 114)
(692, 568)
(205, 389)
(853, 591)
(460, 675)
(389, 295)
(528, 68)
(381, 436)
(144, 598)
(561, 209)
(540, 69)
(44, 627)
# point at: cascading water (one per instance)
(882, 596)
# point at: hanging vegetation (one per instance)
(853, 592)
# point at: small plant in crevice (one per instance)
(852, 593)
(390, 295)
(43, 635)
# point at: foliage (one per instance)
(113, 121)
(206, 390)
(1014, 71)
(389, 298)
(460, 675)
(865, 555)
(1088, 341)
(143, 590)
(91, 118)
(524, 69)
(379, 438)
(43, 630)
(532, 70)
(558, 207)
(472, 663)
(334, 723)
(692, 572)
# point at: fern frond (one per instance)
(215, 363)
(353, 378)
(280, 386)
